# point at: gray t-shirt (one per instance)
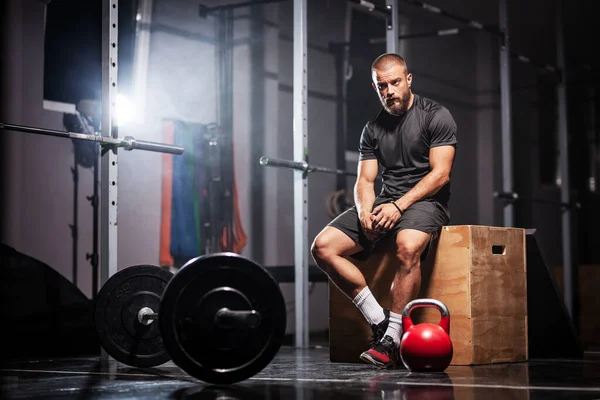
(401, 145)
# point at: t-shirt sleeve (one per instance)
(442, 128)
(366, 147)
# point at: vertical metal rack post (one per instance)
(300, 177)
(301, 247)
(109, 182)
(392, 31)
(506, 113)
(563, 152)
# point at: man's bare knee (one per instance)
(322, 248)
(330, 244)
(408, 251)
(408, 257)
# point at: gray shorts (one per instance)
(426, 216)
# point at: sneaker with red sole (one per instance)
(384, 354)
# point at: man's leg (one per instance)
(410, 244)
(344, 237)
(329, 250)
(413, 235)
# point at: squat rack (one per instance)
(508, 194)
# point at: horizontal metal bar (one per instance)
(205, 10)
(134, 144)
(273, 162)
(539, 65)
(466, 21)
(313, 168)
(301, 166)
(371, 6)
(128, 142)
(513, 197)
(29, 129)
(440, 32)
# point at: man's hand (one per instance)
(384, 217)
(366, 223)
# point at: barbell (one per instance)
(127, 142)
(301, 166)
(221, 318)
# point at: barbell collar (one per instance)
(146, 316)
(227, 318)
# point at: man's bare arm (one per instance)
(364, 188)
(440, 159)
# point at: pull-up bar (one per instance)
(204, 10)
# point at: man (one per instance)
(414, 139)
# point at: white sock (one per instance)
(368, 305)
(394, 329)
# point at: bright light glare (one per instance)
(124, 110)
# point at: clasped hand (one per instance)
(383, 218)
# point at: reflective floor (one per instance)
(305, 374)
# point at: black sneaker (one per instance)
(384, 354)
(379, 329)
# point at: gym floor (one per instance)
(305, 374)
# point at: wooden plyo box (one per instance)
(478, 272)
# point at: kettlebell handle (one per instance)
(420, 303)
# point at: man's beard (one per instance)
(398, 105)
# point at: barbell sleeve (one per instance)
(301, 166)
(134, 144)
(274, 162)
(223, 317)
(226, 317)
(312, 168)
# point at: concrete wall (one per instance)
(460, 72)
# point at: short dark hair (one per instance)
(388, 60)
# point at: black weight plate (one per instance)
(217, 354)
(116, 315)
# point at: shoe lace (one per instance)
(377, 335)
(379, 329)
(387, 346)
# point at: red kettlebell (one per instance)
(426, 347)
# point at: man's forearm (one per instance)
(427, 187)
(364, 196)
